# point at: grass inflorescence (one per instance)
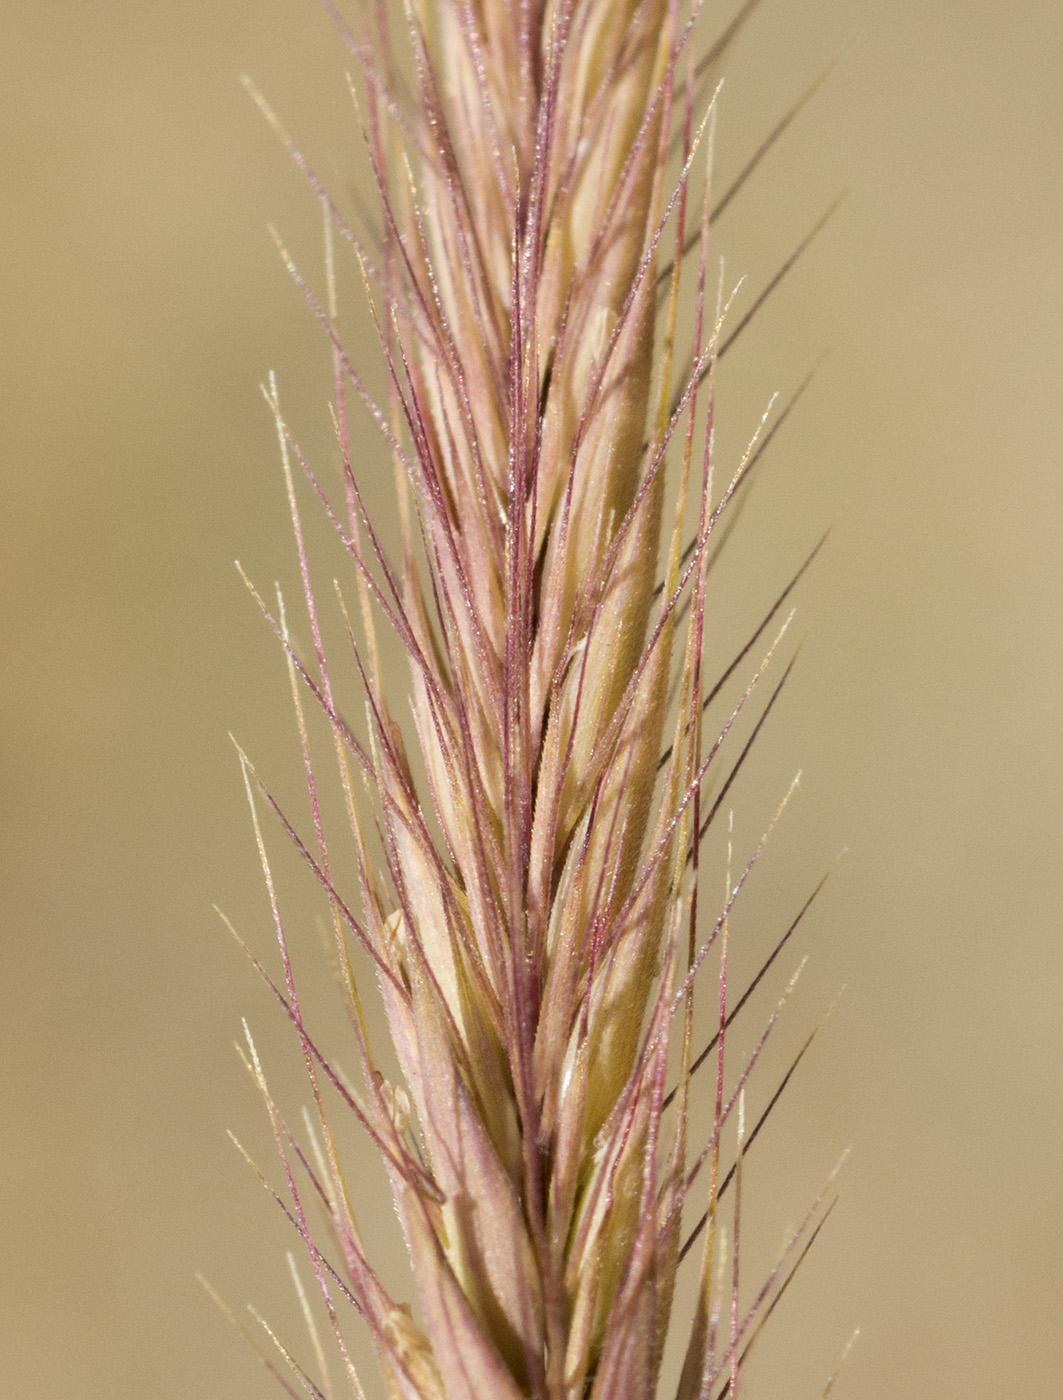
(530, 811)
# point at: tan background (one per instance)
(142, 302)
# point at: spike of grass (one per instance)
(530, 886)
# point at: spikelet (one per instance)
(531, 907)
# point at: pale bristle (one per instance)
(545, 212)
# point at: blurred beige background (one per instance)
(143, 302)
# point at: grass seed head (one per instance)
(534, 925)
